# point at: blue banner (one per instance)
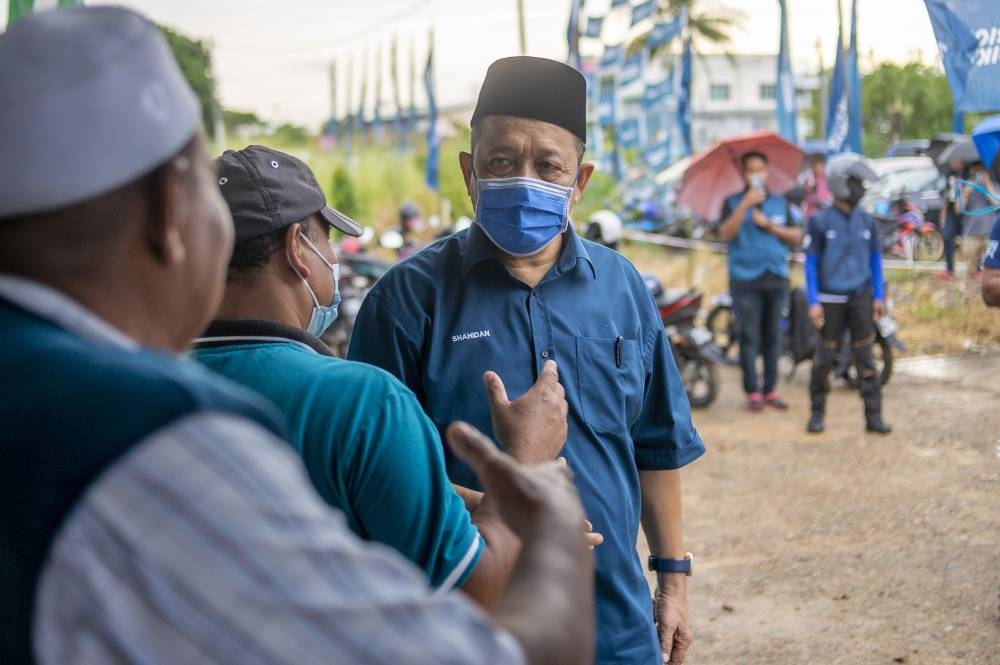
(968, 36)
(684, 100)
(432, 113)
(656, 93)
(657, 155)
(628, 133)
(854, 119)
(612, 56)
(631, 69)
(573, 35)
(838, 111)
(663, 32)
(785, 89)
(594, 25)
(606, 110)
(643, 11)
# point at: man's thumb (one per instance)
(495, 389)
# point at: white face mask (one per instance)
(322, 316)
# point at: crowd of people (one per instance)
(191, 477)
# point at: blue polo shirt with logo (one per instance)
(442, 318)
(754, 255)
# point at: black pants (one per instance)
(759, 314)
(952, 229)
(854, 315)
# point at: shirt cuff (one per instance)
(661, 459)
(457, 577)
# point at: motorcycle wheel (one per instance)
(882, 351)
(700, 381)
(930, 247)
(721, 322)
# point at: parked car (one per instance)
(908, 148)
(914, 179)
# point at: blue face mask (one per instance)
(522, 215)
(322, 316)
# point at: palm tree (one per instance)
(704, 25)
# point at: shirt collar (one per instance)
(478, 248)
(48, 303)
(254, 331)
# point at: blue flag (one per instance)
(432, 113)
(663, 32)
(643, 11)
(656, 94)
(657, 155)
(573, 35)
(853, 86)
(631, 69)
(785, 91)
(594, 25)
(606, 110)
(968, 36)
(628, 133)
(838, 112)
(612, 56)
(684, 100)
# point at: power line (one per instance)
(334, 42)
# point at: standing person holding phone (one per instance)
(975, 225)
(759, 229)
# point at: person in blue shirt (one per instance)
(520, 288)
(991, 267)
(845, 287)
(367, 445)
(760, 229)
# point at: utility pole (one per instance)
(520, 27)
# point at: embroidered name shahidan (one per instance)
(470, 335)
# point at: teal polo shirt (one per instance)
(368, 447)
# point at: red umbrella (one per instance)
(716, 173)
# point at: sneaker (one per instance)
(815, 425)
(773, 399)
(755, 402)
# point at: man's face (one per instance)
(818, 166)
(754, 171)
(208, 241)
(511, 147)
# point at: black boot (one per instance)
(815, 425)
(874, 423)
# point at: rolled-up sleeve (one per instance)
(664, 436)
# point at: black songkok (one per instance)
(538, 88)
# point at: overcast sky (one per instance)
(273, 57)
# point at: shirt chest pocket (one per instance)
(610, 381)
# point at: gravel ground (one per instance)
(847, 547)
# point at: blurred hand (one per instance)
(754, 196)
(593, 538)
(760, 219)
(670, 611)
(878, 310)
(532, 428)
(531, 500)
(816, 316)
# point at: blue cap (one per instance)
(91, 99)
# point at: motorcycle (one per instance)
(358, 273)
(691, 344)
(907, 234)
(798, 338)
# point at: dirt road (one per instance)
(847, 548)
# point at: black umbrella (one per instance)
(962, 151)
(942, 141)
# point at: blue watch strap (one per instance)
(671, 565)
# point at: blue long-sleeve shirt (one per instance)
(843, 256)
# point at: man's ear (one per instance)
(465, 162)
(170, 212)
(296, 249)
(586, 170)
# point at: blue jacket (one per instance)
(754, 251)
(843, 256)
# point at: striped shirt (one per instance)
(206, 544)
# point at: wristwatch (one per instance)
(685, 565)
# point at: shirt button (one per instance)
(545, 354)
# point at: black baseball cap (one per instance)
(267, 190)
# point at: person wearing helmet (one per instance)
(844, 286)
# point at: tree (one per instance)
(239, 120)
(195, 63)
(342, 196)
(704, 26)
(910, 100)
